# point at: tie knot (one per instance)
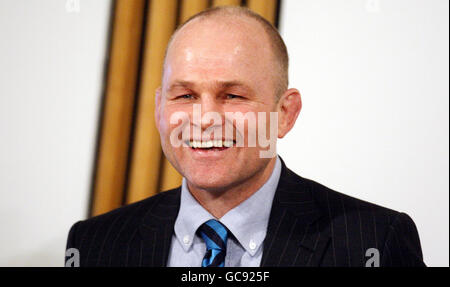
(214, 234)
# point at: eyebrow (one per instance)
(217, 84)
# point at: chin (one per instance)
(212, 181)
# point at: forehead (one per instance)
(221, 48)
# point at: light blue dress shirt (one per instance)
(247, 222)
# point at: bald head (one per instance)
(232, 25)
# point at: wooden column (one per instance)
(118, 106)
(146, 157)
(265, 8)
(191, 7)
(226, 3)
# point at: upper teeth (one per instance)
(211, 143)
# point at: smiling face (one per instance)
(224, 65)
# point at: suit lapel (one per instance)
(295, 235)
(156, 230)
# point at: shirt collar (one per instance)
(190, 217)
(248, 221)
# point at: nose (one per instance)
(212, 108)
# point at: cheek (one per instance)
(172, 114)
(174, 125)
(251, 129)
(164, 125)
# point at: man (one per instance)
(238, 206)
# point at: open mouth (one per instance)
(210, 145)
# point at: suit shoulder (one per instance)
(131, 213)
(356, 225)
(336, 203)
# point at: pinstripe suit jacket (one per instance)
(309, 225)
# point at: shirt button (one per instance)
(252, 245)
(186, 239)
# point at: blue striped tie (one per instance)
(215, 236)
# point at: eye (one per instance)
(187, 96)
(231, 96)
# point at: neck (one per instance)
(218, 203)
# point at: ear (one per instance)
(289, 107)
(158, 106)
